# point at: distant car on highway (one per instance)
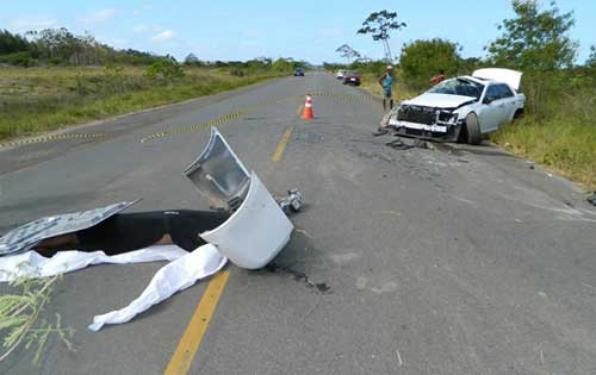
(340, 74)
(352, 78)
(299, 72)
(463, 109)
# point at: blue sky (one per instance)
(307, 29)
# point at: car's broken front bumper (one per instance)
(426, 131)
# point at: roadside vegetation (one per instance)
(54, 79)
(558, 129)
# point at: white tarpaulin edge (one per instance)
(183, 271)
(173, 277)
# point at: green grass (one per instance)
(563, 145)
(559, 130)
(37, 100)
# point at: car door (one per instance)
(507, 102)
(490, 114)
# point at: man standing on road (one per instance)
(386, 82)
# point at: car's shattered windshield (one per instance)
(458, 86)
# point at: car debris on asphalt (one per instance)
(399, 144)
(592, 199)
(250, 228)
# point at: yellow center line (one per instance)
(281, 146)
(193, 335)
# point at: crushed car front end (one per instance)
(439, 113)
(426, 122)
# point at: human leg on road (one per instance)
(387, 97)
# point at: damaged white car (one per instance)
(461, 109)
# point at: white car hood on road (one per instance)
(439, 100)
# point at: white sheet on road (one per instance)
(175, 276)
(183, 271)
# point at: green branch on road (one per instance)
(20, 317)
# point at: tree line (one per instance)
(62, 47)
(536, 39)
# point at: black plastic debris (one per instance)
(419, 143)
(592, 199)
(380, 131)
(399, 145)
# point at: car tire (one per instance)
(473, 135)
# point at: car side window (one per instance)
(492, 93)
(504, 91)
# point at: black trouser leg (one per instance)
(126, 232)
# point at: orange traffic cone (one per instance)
(307, 113)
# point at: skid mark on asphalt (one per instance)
(342, 98)
(218, 121)
(51, 138)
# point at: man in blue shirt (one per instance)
(386, 82)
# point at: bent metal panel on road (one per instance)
(193, 334)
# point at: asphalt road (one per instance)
(453, 260)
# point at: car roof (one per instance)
(476, 79)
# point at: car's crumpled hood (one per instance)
(439, 100)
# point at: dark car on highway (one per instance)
(352, 78)
(299, 72)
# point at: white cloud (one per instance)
(164, 36)
(99, 16)
(35, 22)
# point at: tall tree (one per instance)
(191, 59)
(534, 38)
(421, 59)
(347, 52)
(10, 43)
(380, 25)
(591, 61)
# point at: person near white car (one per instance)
(386, 82)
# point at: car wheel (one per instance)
(473, 135)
